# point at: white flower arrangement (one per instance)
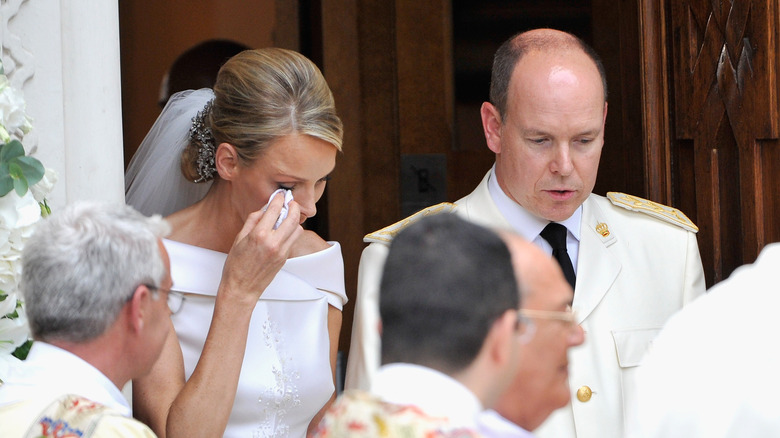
(24, 184)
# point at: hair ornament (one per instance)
(201, 135)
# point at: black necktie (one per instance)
(555, 234)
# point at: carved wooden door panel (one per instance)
(725, 149)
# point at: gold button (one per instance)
(584, 394)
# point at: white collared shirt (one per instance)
(493, 425)
(50, 371)
(529, 226)
(435, 393)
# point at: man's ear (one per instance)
(226, 160)
(137, 308)
(502, 339)
(491, 125)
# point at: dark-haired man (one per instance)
(450, 330)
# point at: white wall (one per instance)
(64, 55)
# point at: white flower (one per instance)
(18, 212)
(12, 112)
(13, 333)
(44, 186)
(8, 304)
(18, 217)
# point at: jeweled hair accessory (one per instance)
(200, 134)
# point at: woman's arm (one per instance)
(334, 330)
(202, 405)
(154, 393)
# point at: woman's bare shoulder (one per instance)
(309, 243)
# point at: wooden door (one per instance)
(725, 154)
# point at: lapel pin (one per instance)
(602, 229)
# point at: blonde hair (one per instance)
(262, 95)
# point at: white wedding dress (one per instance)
(286, 376)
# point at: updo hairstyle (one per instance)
(262, 95)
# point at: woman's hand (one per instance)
(259, 251)
(202, 406)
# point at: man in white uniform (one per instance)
(632, 262)
(713, 369)
(450, 343)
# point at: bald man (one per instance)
(541, 383)
(632, 262)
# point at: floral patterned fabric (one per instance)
(358, 414)
(69, 416)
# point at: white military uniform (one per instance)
(634, 271)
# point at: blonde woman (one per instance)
(257, 365)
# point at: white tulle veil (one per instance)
(154, 183)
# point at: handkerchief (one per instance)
(288, 196)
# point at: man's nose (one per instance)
(561, 163)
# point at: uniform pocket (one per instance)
(631, 346)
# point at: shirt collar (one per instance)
(435, 393)
(52, 371)
(493, 425)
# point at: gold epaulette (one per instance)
(654, 209)
(386, 234)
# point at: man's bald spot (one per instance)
(526, 261)
(549, 41)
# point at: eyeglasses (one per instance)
(568, 316)
(175, 299)
(526, 327)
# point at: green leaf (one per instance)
(6, 184)
(45, 209)
(31, 168)
(20, 182)
(11, 150)
(15, 170)
(23, 350)
(20, 185)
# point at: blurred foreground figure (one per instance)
(713, 370)
(96, 283)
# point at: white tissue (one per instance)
(288, 196)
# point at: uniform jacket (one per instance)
(634, 271)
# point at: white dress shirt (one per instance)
(435, 393)
(493, 425)
(529, 226)
(50, 372)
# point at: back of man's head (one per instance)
(83, 263)
(445, 282)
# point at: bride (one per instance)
(244, 365)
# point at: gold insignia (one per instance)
(654, 209)
(602, 229)
(386, 234)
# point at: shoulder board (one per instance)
(654, 209)
(386, 234)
